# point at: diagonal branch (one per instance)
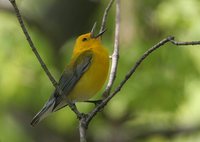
(133, 69)
(126, 78)
(138, 62)
(103, 24)
(43, 65)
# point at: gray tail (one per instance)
(54, 104)
(46, 110)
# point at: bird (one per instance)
(82, 78)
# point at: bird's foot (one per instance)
(95, 102)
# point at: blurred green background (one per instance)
(160, 103)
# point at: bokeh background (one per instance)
(160, 103)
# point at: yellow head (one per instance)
(86, 41)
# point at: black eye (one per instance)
(84, 39)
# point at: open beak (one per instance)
(98, 35)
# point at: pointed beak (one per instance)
(93, 29)
(100, 34)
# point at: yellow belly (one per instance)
(93, 79)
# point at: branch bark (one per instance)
(32, 46)
(113, 71)
(84, 121)
(115, 55)
(104, 19)
(43, 65)
(82, 130)
(133, 69)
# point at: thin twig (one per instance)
(139, 61)
(115, 58)
(83, 120)
(104, 19)
(185, 42)
(83, 125)
(133, 69)
(126, 78)
(115, 55)
(43, 65)
(21, 22)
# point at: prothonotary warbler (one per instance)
(82, 78)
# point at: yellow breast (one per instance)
(94, 78)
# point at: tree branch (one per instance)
(82, 130)
(133, 69)
(185, 42)
(115, 55)
(126, 78)
(113, 67)
(43, 65)
(83, 122)
(103, 24)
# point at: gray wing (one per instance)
(71, 75)
(67, 81)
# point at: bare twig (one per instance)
(83, 122)
(126, 78)
(115, 58)
(139, 61)
(103, 24)
(185, 42)
(43, 65)
(133, 69)
(115, 55)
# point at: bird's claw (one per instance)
(95, 102)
